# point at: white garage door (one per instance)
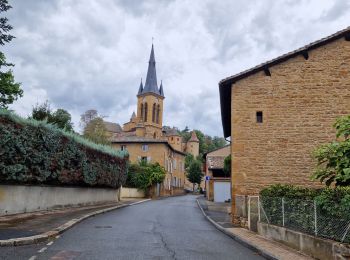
(222, 191)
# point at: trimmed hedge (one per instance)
(332, 209)
(34, 152)
(333, 202)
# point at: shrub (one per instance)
(33, 152)
(144, 175)
(333, 160)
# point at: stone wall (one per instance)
(20, 199)
(300, 102)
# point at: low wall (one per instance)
(131, 193)
(313, 246)
(178, 191)
(20, 199)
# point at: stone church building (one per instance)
(145, 138)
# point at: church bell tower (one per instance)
(150, 101)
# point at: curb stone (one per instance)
(246, 243)
(59, 230)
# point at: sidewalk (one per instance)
(267, 248)
(29, 228)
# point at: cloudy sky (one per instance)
(82, 54)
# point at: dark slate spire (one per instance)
(140, 88)
(151, 80)
(161, 91)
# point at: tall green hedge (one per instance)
(33, 152)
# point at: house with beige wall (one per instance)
(145, 138)
(278, 112)
(216, 182)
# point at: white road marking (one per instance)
(42, 250)
(50, 243)
(32, 258)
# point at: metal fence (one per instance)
(305, 216)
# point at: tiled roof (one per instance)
(215, 162)
(171, 132)
(112, 127)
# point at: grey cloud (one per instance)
(86, 54)
(339, 8)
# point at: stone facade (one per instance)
(280, 111)
(299, 102)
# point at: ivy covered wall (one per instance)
(33, 152)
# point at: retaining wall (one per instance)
(316, 247)
(20, 199)
(131, 193)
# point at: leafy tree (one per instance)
(144, 175)
(88, 116)
(96, 131)
(227, 165)
(194, 173)
(333, 160)
(219, 142)
(188, 160)
(9, 89)
(60, 118)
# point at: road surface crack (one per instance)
(155, 225)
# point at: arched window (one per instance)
(146, 112)
(154, 113)
(154, 135)
(141, 112)
(158, 112)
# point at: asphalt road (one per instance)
(172, 228)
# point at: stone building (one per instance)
(145, 138)
(216, 182)
(278, 112)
